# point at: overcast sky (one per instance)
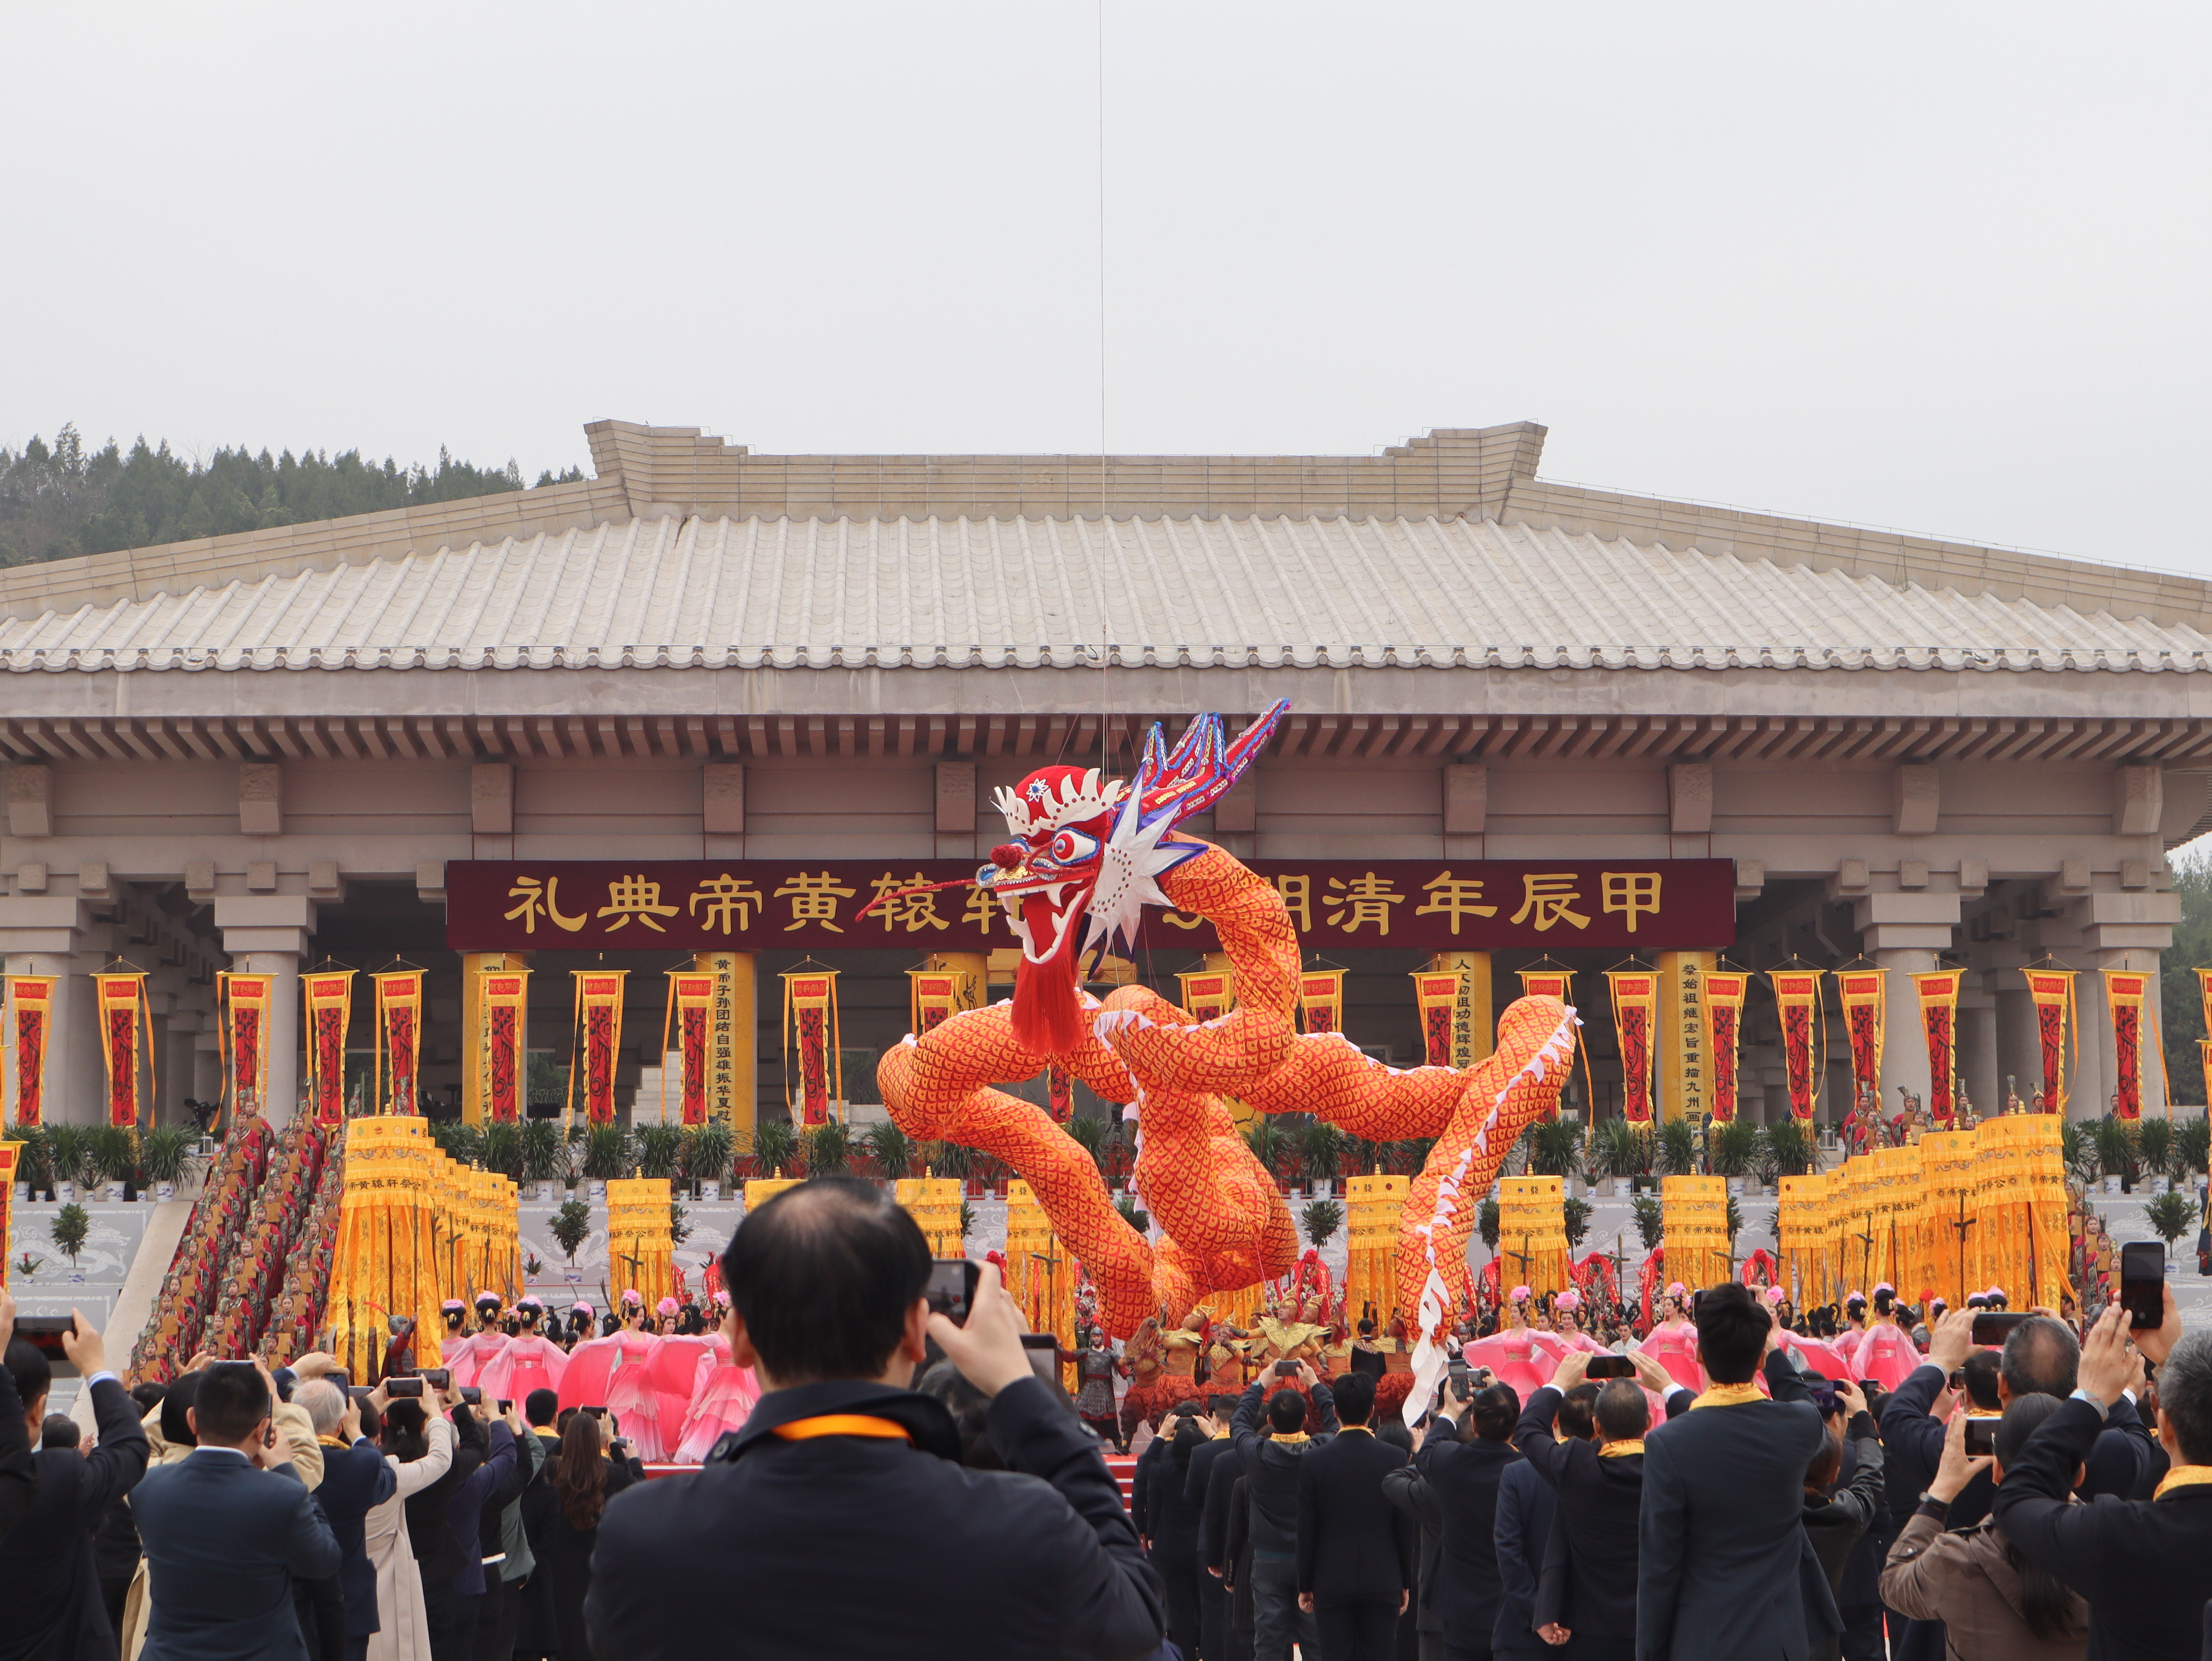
(1937, 267)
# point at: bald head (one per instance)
(325, 1404)
(2041, 1358)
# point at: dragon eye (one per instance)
(1072, 847)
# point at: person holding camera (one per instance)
(843, 1463)
(1271, 1457)
(19, 1471)
(418, 1448)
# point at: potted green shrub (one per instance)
(828, 1148)
(706, 1152)
(1321, 1152)
(169, 1155)
(2171, 1215)
(65, 1149)
(500, 1148)
(607, 1157)
(572, 1226)
(1678, 1148)
(1789, 1151)
(1577, 1221)
(1555, 1148)
(660, 1148)
(71, 1225)
(34, 1166)
(112, 1159)
(545, 1156)
(775, 1150)
(2192, 1147)
(1615, 1152)
(1651, 1219)
(1732, 1150)
(1322, 1218)
(1488, 1219)
(1269, 1146)
(2155, 1148)
(2116, 1153)
(891, 1149)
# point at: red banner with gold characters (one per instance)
(810, 1035)
(1207, 993)
(595, 1042)
(242, 1005)
(1865, 994)
(1547, 984)
(399, 1039)
(32, 997)
(503, 999)
(1797, 997)
(1437, 996)
(1938, 992)
(2052, 989)
(1724, 994)
(124, 1024)
(1635, 1008)
(1320, 1000)
(934, 996)
(690, 1013)
(329, 996)
(2124, 991)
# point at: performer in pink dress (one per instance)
(630, 1396)
(1566, 1325)
(1514, 1356)
(529, 1360)
(468, 1357)
(1849, 1340)
(1672, 1342)
(721, 1401)
(1887, 1355)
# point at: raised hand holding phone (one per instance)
(987, 1347)
(1956, 1469)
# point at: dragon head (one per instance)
(1086, 856)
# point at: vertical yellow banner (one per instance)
(1724, 992)
(1685, 1078)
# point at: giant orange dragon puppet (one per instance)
(1089, 854)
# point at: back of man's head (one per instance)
(2185, 1395)
(2023, 1417)
(148, 1395)
(540, 1406)
(1576, 1412)
(2040, 1357)
(1497, 1408)
(1622, 1414)
(1355, 1398)
(183, 1390)
(1732, 1332)
(823, 1277)
(1981, 1380)
(324, 1402)
(1286, 1412)
(232, 1402)
(57, 1430)
(27, 1364)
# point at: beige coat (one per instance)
(403, 1631)
(298, 1430)
(1965, 1581)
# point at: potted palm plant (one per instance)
(660, 1148)
(1615, 1152)
(828, 1148)
(774, 1151)
(169, 1155)
(707, 1151)
(1789, 1151)
(2154, 1147)
(500, 1148)
(545, 1158)
(1732, 1150)
(2192, 1147)
(891, 1149)
(1555, 1148)
(1322, 1218)
(1320, 1151)
(65, 1152)
(1678, 1148)
(1265, 1139)
(34, 1165)
(607, 1157)
(113, 1160)
(2116, 1153)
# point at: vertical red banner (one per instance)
(690, 1013)
(1635, 1008)
(399, 1039)
(1437, 996)
(242, 1004)
(330, 1014)
(1059, 1092)
(599, 1017)
(33, 996)
(1725, 995)
(1865, 998)
(503, 997)
(2126, 989)
(1320, 1000)
(1797, 997)
(809, 1003)
(2053, 990)
(122, 1014)
(1938, 992)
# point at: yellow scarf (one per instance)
(1287, 1438)
(842, 1424)
(1621, 1449)
(1728, 1395)
(2182, 1477)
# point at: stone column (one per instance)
(1979, 1072)
(207, 1066)
(42, 934)
(269, 935)
(2126, 930)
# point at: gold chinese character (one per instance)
(535, 895)
(1454, 897)
(1636, 892)
(1298, 900)
(1181, 919)
(726, 898)
(914, 910)
(813, 899)
(1551, 895)
(634, 897)
(983, 909)
(1365, 899)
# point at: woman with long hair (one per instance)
(419, 1448)
(580, 1483)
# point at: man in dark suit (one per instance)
(51, 1606)
(1724, 1567)
(354, 1479)
(1464, 1475)
(1198, 1490)
(19, 1471)
(226, 1528)
(1355, 1547)
(1599, 1484)
(1271, 1457)
(2139, 1562)
(840, 1462)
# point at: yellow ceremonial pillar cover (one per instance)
(640, 1246)
(1532, 1233)
(1373, 1206)
(934, 1202)
(759, 1191)
(1686, 1068)
(1040, 1271)
(1948, 1161)
(1693, 1213)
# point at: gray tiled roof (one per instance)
(1022, 592)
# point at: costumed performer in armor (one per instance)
(1095, 1368)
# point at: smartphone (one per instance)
(1043, 1350)
(1609, 1367)
(1982, 1436)
(44, 1334)
(360, 1392)
(341, 1378)
(504, 1407)
(403, 1389)
(951, 1288)
(1456, 1371)
(472, 1394)
(1993, 1326)
(2142, 1283)
(597, 1413)
(1871, 1388)
(1286, 1369)
(1956, 1381)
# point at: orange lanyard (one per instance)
(842, 1424)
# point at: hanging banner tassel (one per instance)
(1938, 992)
(329, 1012)
(503, 1006)
(690, 1013)
(1635, 1007)
(2124, 991)
(596, 1042)
(32, 998)
(398, 1039)
(1865, 996)
(810, 1025)
(1797, 997)
(243, 1002)
(2053, 990)
(1320, 1000)
(123, 1012)
(1724, 992)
